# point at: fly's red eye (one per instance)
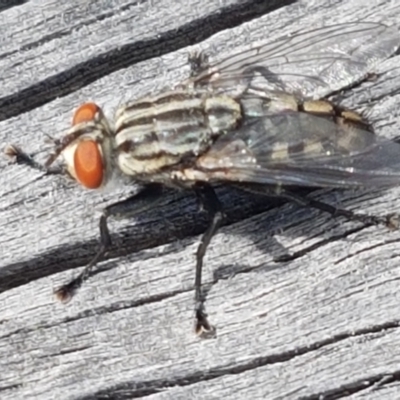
(86, 112)
(88, 163)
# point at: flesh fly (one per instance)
(257, 120)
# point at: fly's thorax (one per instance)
(87, 147)
(158, 132)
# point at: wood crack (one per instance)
(84, 73)
(132, 390)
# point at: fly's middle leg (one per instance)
(250, 72)
(131, 206)
(210, 203)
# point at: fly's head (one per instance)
(87, 147)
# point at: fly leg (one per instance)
(23, 158)
(210, 203)
(250, 72)
(198, 62)
(131, 206)
(391, 220)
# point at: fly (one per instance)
(257, 120)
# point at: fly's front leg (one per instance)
(131, 206)
(23, 158)
(210, 203)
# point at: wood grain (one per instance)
(306, 306)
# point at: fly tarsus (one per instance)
(198, 62)
(67, 291)
(203, 328)
(126, 208)
(391, 221)
(23, 158)
(208, 202)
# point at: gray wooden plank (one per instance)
(70, 33)
(323, 366)
(322, 323)
(382, 389)
(51, 49)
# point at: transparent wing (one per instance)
(309, 64)
(292, 148)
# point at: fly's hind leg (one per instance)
(131, 206)
(391, 220)
(210, 203)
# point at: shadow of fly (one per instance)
(257, 120)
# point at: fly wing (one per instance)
(308, 64)
(292, 148)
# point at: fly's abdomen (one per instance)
(352, 134)
(321, 127)
(158, 132)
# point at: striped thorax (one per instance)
(159, 132)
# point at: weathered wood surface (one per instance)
(322, 324)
